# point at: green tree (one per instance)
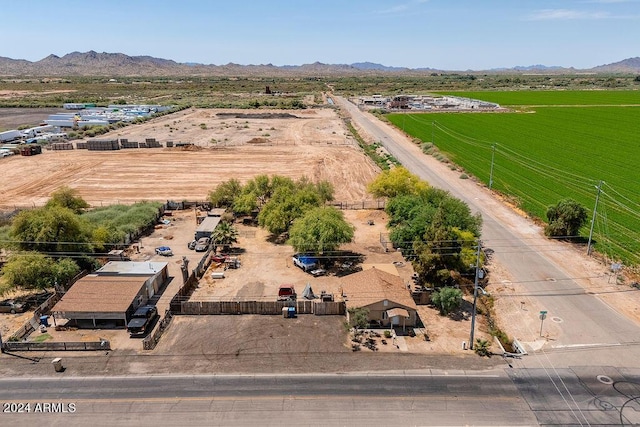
(358, 317)
(565, 219)
(447, 299)
(320, 229)
(50, 229)
(225, 193)
(395, 182)
(105, 235)
(67, 198)
(245, 203)
(225, 235)
(286, 205)
(32, 270)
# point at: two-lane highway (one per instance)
(581, 396)
(267, 400)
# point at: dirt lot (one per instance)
(312, 143)
(265, 266)
(12, 118)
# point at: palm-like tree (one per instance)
(225, 234)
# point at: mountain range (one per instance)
(118, 64)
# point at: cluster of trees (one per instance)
(53, 243)
(283, 205)
(565, 219)
(434, 229)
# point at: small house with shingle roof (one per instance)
(108, 297)
(385, 296)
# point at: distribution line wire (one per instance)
(603, 227)
(520, 158)
(625, 208)
(622, 231)
(558, 172)
(549, 375)
(463, 138)
(524, 160)
(637, 204)
(555, 374)
(525, 181)
(575, 183)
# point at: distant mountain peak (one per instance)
(92, 63)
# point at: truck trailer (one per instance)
(10, 135)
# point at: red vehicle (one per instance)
(286, 293)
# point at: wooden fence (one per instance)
(362, 204)
(261, 307)
(34, 321)
(151, 340)
(56, 346)
(190, 284)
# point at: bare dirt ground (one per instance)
(12, 118)
(266, 265)
(312, 143)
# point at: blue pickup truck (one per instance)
(305, 262)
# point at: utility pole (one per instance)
(432, 125)
(493, 156)
(475, 296)
(593, 218)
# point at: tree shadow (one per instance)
(462, 313)
(278, 239)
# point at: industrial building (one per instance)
(84, 115)
(426, 102)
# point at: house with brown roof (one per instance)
(108, 297)
(383, 294)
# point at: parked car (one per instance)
(192, 244)
(318, 272)
(202, 244)
(142, 319)
(164, 251)
(11, 306)
(287, 293)
(305, 262)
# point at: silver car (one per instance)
(11, 306)
(202, 244)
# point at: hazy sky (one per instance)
(441, 34)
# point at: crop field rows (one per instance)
(552, 153)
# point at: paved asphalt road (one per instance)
(585, 320)
(581, 396)
(350, 400)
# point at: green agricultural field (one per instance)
(556, 97)
(548, 154)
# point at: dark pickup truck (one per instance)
(142, 319)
